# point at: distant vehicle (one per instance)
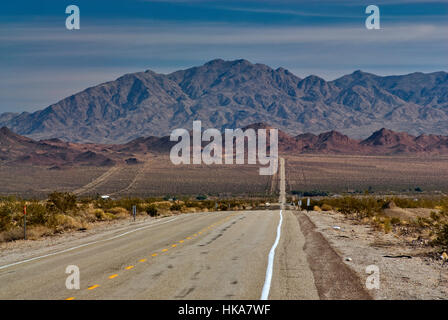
(105, 197)
(267, 204)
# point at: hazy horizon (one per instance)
(42, 62)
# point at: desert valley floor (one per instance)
(158, 176)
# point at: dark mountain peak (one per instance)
(258, 125)
(358, 77)
(243, 62)
(6, 131)
(282, 70)
(306, 135)
(387, 137)
(215, 62)
(359, 73)
(7, 136)
(332, 135)
(313, 79)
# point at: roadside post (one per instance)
(134, 211)
(24, 222)
(300, 205)
(308, 204)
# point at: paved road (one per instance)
(204, 256)
(200, 256)
(221, 255)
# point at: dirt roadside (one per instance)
(401, 278)
(333, 279)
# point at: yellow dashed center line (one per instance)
(155, 254)
(93, 287)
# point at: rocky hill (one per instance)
(232, 94)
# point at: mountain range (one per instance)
(233, 94)
(19, 150)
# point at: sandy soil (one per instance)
(418, 277)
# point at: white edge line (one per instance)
(270, 268)
(84, 245)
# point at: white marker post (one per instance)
(24, 222)
(134, 211)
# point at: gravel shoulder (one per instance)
(417, 278)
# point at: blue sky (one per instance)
(42, 62)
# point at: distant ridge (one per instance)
(232, 94)
(18, 150)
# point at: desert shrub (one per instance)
(395, 221)
(119, 212)
(201, 197)
(442, 236)
(435, 216)
(12, 235)
(99, 214)
(110, 216)
(62, 222)
(38, 231)
(423, 222)
(5, 216)
(360, 207)
(176, 207)
(312, 193)
(387, 226)
(152, 210)
(36, 214)
(326, 207)
(61, 201)
(317, 208)
(429, 203)
(163, 205)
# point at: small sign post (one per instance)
(24, 222)
(134, 211)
